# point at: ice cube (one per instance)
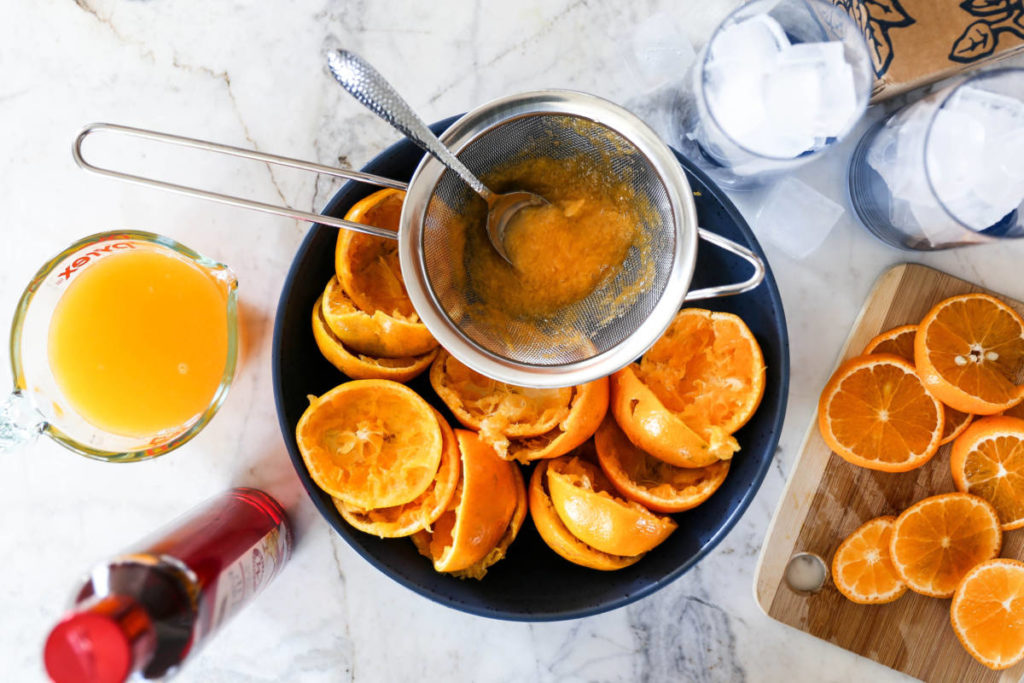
(821, 90)
(796, 218)
(660, 51)
(752, 41)
(735, 97)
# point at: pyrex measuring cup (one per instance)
(38, 405)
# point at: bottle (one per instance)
(145, 611)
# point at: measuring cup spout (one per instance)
(20, 422)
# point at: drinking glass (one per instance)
(37, 404)
(947, 170)
(779, 82)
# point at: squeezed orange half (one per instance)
(139, 341)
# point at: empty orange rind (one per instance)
(371, 443)
(498, 411)
(361, 366)
(420, 513)
(479, 513)
(373, 334)
(555, 534)
(654, 483)
(367, 266)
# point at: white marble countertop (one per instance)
(251, 73)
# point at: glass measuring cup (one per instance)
(39, 403)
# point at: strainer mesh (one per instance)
(584, 329)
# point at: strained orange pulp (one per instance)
(139, 341)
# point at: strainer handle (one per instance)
(286, 211)
(737, 288)
(373, 91)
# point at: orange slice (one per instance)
(367, 266)
(969, 351)
(708, 369)
(861, 568)
(407, 519)
(359, 366)
(900, 341)
(988, 613)
(659, 431)
(377, 334)
(584, 500)
(370, 443)
(988, 461)
(587, 407)
(499, 411)
(558, 537)
(649, 481)
(875, 413)
(936, 541)
(481, 510)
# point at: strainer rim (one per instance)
(464, 132)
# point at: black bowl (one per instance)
(533, 583)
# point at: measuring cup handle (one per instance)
(737, 288)
(287, 211)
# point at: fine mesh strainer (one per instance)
(589, 339)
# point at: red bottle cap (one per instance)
(103, 642)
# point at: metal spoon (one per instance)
(365, 84)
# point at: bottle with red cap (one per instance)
(148, 609)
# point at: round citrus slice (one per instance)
(875, 413)
(367, 266)
(499, 411)
(936, 541)
(861, 568)
(900, 342)
(988, 461)
(420, 513)
(587, 407)
(370, 443)
(708, 369)
(377, 334)
(558, 537)
(359, 366)
(658, 430)
(969, 351)
(584, 499)
(480, 511)
(988, 613)
(649, 481)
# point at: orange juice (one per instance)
(138, 343)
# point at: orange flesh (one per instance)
(139, 342)
(854, 414)
(977, 346)
(862, 569)
(938, 540)
(988, 461)
(368, 266)
(988, 613)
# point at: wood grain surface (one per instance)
(826, 498)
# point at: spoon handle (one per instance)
(365, 84)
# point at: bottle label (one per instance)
(248, 575)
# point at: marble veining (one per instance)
(251, 74)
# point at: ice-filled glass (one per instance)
(779, 82)
(947, 170)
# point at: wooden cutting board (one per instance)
(826, 498)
